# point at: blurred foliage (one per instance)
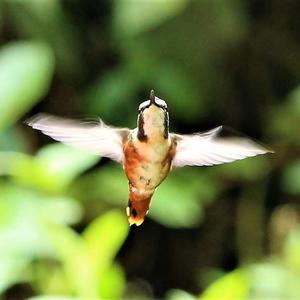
(273, 279)
(226, 232)
(17, 60)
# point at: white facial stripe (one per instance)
(159, 102)
(144, 104)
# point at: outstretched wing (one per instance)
(96, 138)
(213, 147)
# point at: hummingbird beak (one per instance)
(152, 97)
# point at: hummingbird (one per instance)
(149, 151)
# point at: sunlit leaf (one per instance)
(273, 280)
(16, 164)
(61, 210)
(12, 271)
(52, 297)
(132, 19)
(26, 69)
(108, 184)
(233, 286)
(176, 205)
(21, 231)
(92, 254)
(47, 20)
(104, 237)
(12, 139)
(70, 248)
(49, 278)
(179, 200)
(52, 169)
(246, 169)
(60, 164)
(24, 215)
(179, 295)
(291, 250)
(112, 283)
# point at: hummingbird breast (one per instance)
(147, 163)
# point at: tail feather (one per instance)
(138, 207)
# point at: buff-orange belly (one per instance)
(145, 167)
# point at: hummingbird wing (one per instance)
(213, 147)
(97, 138)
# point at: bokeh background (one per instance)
(223, 232)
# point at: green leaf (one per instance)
(252, 168)
(25, 215)
(13, 139)
(261, 281)
(176, 294)
(107, 94)
(112, 283)
(70, 249)
(104, 237)
(108, 184)
(175, 203)
(233, 286)
(290, 179)
(12, 271)
(179, 200)
(52, 297)
(60, 164)
(26, 69)
(60, 210)
(92, 254)
(169, 75)
(53, 168)
(48, 21)
(272, 280)
(294, 101)
(16, 164)
(291, 250)
(132, 19)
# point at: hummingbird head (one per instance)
(153, 119)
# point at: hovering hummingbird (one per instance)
(149, 151)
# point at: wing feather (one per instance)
(213, 147)
(97, 138)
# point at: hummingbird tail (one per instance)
(137, 209)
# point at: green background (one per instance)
(223, 232)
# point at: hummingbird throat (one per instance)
(153, 124)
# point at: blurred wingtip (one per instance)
(270, 151)
(265, 149)
(34, 119)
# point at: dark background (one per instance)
(223, 232)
